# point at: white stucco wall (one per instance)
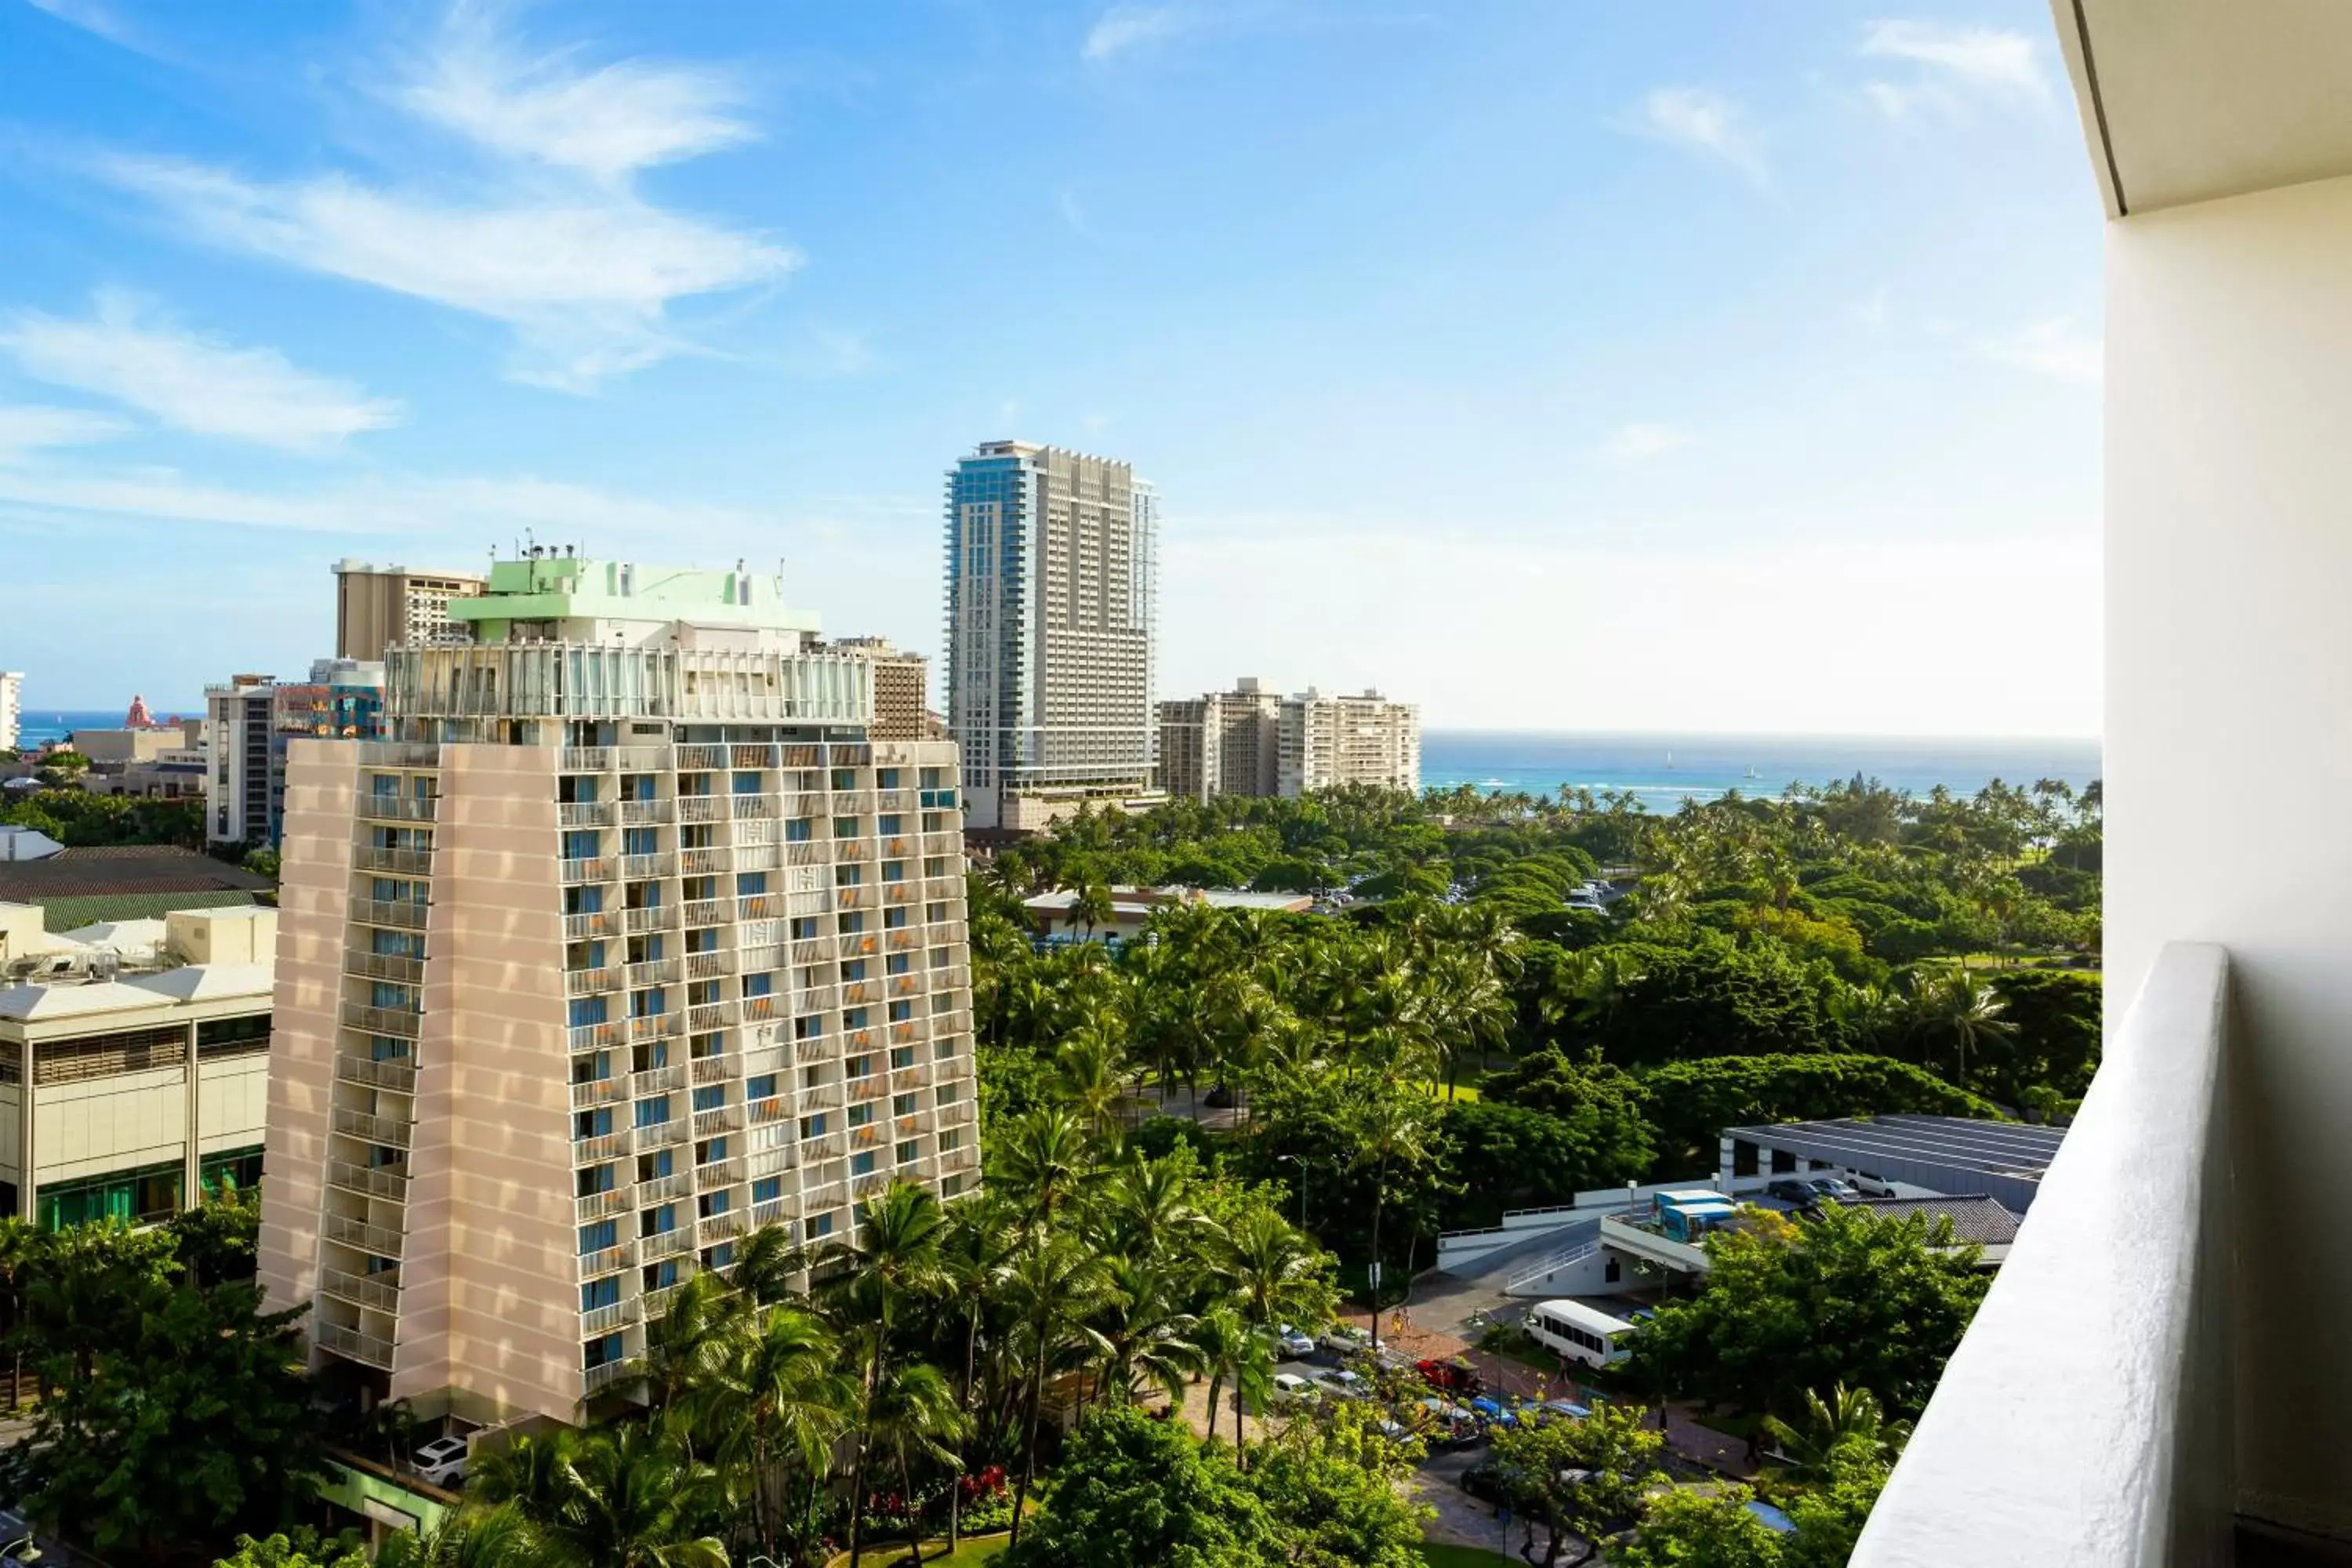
(2229, 604)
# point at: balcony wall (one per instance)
(2086, 1419)
(2229, 551)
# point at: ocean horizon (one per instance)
(1664, 770)
(1661, 770)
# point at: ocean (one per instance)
(39, 726)
(1663, 771)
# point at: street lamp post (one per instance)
(1295, 1159)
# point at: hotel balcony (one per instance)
(2160, 1373)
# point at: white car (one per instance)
(1346, 1340)
(1295, 1342)
(1289, 1388)
(1344, 1384)
(442, 1462)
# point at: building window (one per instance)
(599, 1238)
(605, 1292)
(799, 829)
(862, 1164)
(767, 1189)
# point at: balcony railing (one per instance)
(375, 1181)
(400, 862)
(396, 808)
(388, 912)
(2086, 1414)
(595, 1036)
(725, 1118)
(656, 1080)
(710, 1070)
(653, 971)
(607, 1374)
(662, 1135)
(623, 1255)
(707, 913)
(644, 812)
(351, 1343)
(586, 760)
(599, 1321)
(702, 862)
(591, 982)
(665, 1189)
(652, 917)
(653, 1026)
(392, 966)
(604, 1205)
(597, 1148)
(372, 1129)
(395, 1073)
(636, 868)
(774, 1211)
(701, 809)
(597, 922)
(700, 758)
(588, 869)
(404, 1022)
(709, 965)
(373, 1239)
(380, 1291)
(667, 1243)
(584, 814)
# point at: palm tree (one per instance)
(767, 1262)
(1388, 1132)
(1049, 1287)
(1042, 1162)
(913, 1415)
(1090, 906)
(1236, 1351)
(1146, 1336)
(789, 1401)
(534, 1472)
(974, 1255)
(639, 1502)
(500, 1536)
(20, 1242)
(1088, 1072)
(890, 1257)
(687, 1346)
(1954, 1007)
(1850, 1420)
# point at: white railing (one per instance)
(2086, 1417)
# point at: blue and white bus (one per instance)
(1579, 1332)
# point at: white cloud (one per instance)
(1713, 627)
(88, 15)
(26, 429)
(1900, 102)
(1706, 121)
(1128, 26)
(583, 280)
(1639, 442)
(2056, 348)
(551, 239)
(189, 382)
(1980, 58)
(1871, 314)
(485, 511)
(607, 122)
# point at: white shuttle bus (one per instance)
(1579, 1332)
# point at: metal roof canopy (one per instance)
(1951, 1155)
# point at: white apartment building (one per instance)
(246, 760)
(126, 1094)
(378, 607)
(12, 707)
(1225, 742)
(1329, 742)
(1052, 590)
(631, 940)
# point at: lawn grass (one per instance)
(1443, 1555)
(1436, 1091)
(971, 1552)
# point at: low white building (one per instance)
(128, 1097)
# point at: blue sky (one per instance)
(1556, 366)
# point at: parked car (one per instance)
(1492, 1413)
(1344, 1384)
(1456, 1376)
(1454, 1426)
(1793, 1190)
(1562, 1409)
(1489, 1480)
(1346, 1339)
(1836, 1187)
(1296, 1344)
(1289, 1388)
(442, 1462)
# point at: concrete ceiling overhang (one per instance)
(2186, 101)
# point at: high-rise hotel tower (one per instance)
(1052, 574)
(629, 939)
